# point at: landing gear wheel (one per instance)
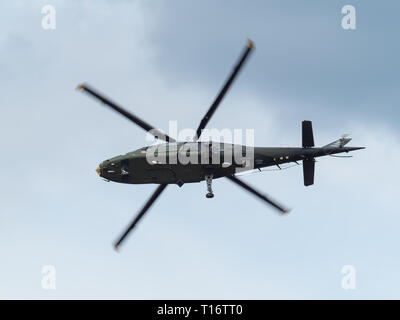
(210, 193)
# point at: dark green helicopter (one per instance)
(138, 167)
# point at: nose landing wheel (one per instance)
(210, 193)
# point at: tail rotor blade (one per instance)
(307, 134)
(142, 212)
(257, 193)
(308, 171)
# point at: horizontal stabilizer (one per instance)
(308, 171)
(307, 134)
(340, 143)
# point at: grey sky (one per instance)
(166, 61)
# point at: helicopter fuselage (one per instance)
(137, 167)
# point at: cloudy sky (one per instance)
(166, 60)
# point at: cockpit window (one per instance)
(124, 162)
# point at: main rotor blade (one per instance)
(258, 194)
(125, 113)
(225, 88)
(146, 207)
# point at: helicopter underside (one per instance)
(134, 168)
(138, 172)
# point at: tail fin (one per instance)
(340, 143)
(307, 134)
(308, 142)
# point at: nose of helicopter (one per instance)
(98, 170)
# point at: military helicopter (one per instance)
(135, 167)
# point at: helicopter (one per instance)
(143, 166)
